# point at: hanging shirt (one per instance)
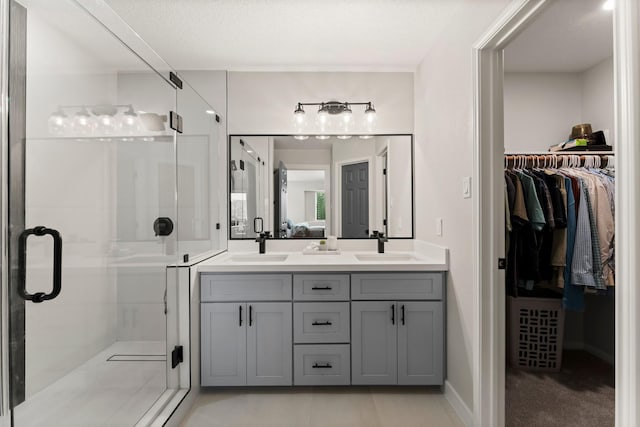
(534, 210)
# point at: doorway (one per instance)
(489, 137)
(355, 200)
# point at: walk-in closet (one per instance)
(559, 186)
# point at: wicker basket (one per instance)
(536, 331)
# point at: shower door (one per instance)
(92, 221)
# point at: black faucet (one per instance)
(381, 240)
(262, 240)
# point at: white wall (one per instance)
(598, 98)
(296, 209)
(263, 102)
(540, 109)
(309, 159)
(444, 125)
(399, 177)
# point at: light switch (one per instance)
(466, 187)
(438, 226)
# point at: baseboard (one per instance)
(595, 351)
(573, 345)
(600, 354)
(461, 408)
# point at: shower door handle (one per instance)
(57, 264)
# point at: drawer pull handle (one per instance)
(403, 314)
(324, 323)
(321, 288)
(393, 314)
(240, 314)
(324, 366)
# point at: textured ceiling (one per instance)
(294, 34)
(569, 36)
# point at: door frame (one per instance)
(488, 209)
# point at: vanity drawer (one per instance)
(322, 365)
(321, 322)
(245, 287)
(321, 287)
(396, 286)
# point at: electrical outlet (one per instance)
(438, 226)
(466, 187)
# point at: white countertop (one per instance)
(348, 261)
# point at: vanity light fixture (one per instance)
(332, 108)
(103, 119)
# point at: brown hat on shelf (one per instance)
(581, 131)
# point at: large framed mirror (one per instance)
(345, 186)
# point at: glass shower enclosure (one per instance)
(108, 185)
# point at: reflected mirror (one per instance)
(313, 188)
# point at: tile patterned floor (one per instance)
(322, 407)
(99, 393)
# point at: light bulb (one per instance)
(370, 117)
(83, 123)
(301, 137)
(130, 122)
(323, 116)
(347, 114)
(609, 5)
(106, 124)
(58, 123)
(344, 137)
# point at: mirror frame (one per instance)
(413, 184)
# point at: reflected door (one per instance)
(355, 200)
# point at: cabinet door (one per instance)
(224, 344)
(373, 342)
(269, 343)
(420, 343)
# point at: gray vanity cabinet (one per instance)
(248, 341)
(274, 329)
(269, 344)
(420, 342)
(374, 350)
(397, 342)
(223, 344)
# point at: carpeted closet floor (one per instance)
(581, 394)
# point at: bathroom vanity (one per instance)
(285, 319)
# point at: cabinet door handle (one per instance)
(321, 288)
(403, 314)
(324, 323)
(250, 315)
(240, 314)
(323, 366)
(393, 314)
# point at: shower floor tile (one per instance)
(100, 393)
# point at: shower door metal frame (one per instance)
(4, 303)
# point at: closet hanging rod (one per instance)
(575, 159)
(559, 153)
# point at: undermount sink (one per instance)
(385, 257)
(259, 258)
